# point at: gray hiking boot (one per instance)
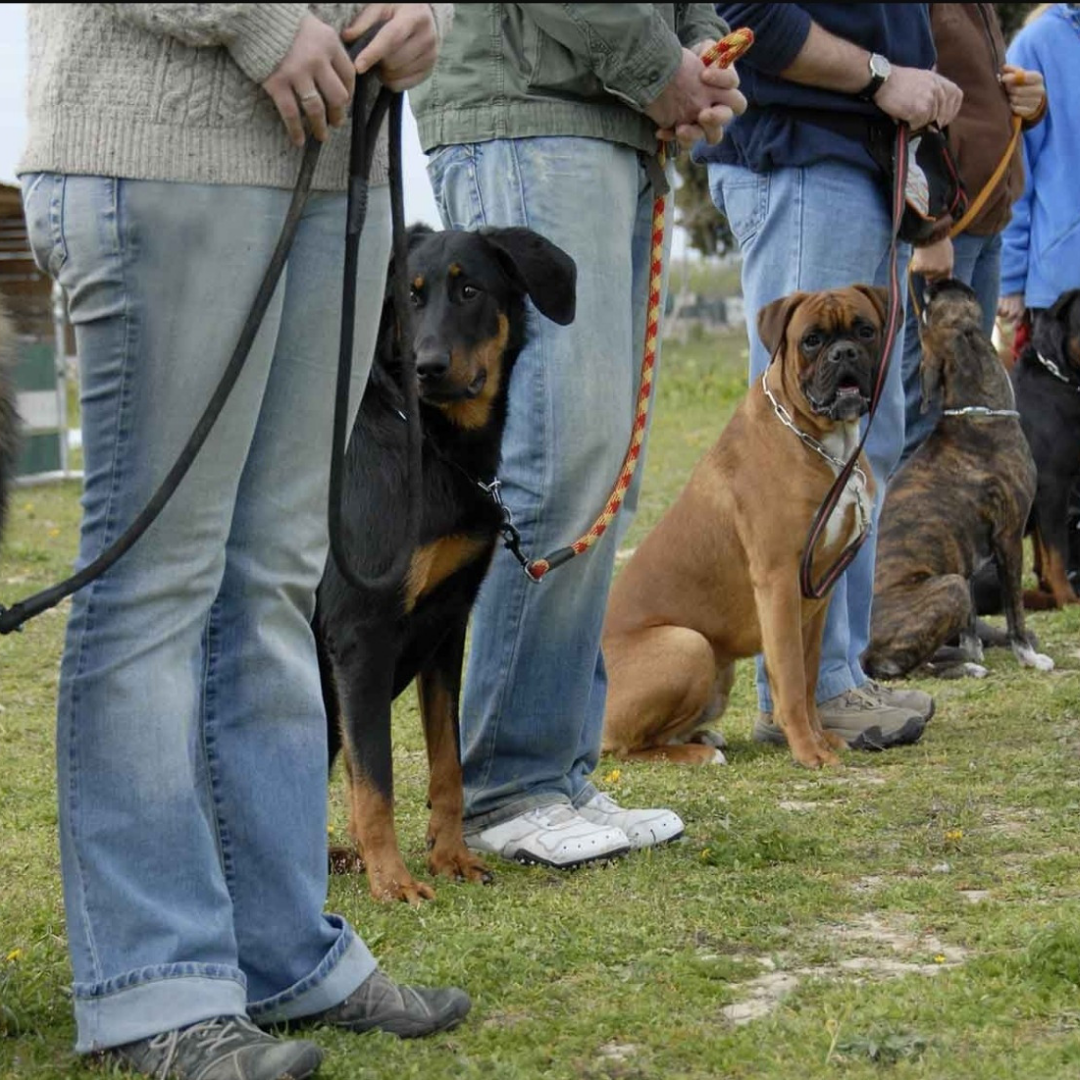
(917, 701)
(225, 1048)
(863, 719)
(379, 1003)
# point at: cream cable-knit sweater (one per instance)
(172, 92)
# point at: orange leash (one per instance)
(723, 54)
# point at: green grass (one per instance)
(913, 914)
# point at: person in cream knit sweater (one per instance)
(164, 143)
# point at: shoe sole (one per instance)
(872, 738)
(658, 843)
(527, 859)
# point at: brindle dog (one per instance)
(961, 500)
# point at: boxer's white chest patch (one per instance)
(841, 444)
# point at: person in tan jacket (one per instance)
(971, 52)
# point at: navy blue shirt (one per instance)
(787, 124)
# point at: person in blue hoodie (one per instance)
(809, 207)
(1040, 255)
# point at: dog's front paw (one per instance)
(459, 864)
(1028, 657)
(389, 885)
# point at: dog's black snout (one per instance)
(844, 351)
(432, 362)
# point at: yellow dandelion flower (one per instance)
(14, 956)
(940, 958)
(54, 532)
(706, 853)
(330, 830)
(613, 777)
(954, 834)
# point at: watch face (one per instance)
(879, 66)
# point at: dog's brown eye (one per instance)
(415, 298)
(811, 341)
(469, 292)
(867, 332)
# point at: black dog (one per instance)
(1047, 384)
(960, 501)
(468, 291)
(9, 426)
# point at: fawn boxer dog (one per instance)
(959, 502)
(718, 578)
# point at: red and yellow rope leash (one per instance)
(723, 54)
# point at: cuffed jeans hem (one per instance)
(511, 810)
(348, 964)
(151, 1006)
(831, 683)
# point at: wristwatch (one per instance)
(880, 70)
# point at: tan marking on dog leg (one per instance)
(447, 854)
(371, 825)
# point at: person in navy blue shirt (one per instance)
(809, 208)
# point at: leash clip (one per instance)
(511, 536)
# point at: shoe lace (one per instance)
(560, 814)
(198, 1039)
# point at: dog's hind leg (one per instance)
(663, 685)
(911, 624)
(439, 689)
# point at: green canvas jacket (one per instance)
(523, 70)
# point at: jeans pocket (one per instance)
(743, 198)
(452, 171)
(43, 207)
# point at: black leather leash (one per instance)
(365, 131)
(817, 590)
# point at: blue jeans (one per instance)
(824, 226)
(532, 707)
(191, 737)
(977, 262)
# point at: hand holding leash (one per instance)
(317, 77)
(404, 48)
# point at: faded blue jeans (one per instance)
(976, 262)
(191, 735)
(824, 226)
(532, 708)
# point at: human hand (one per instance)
(315, 76)
(919, 97)
(406, 47)
(1026, 90)
(717, 88)
(933, 261)
(1011, 307)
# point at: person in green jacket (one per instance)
(548, 116)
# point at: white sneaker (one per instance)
(555, 835)
(643, 828)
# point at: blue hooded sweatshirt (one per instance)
(1040, 255)
(787, 124)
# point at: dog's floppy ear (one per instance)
(545, 272)
(773, 319)
(929, 379)
(879, 297)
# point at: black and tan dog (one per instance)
(468, 291)
(1047, 383)
(718, 578)
(960, 501)
(9, 427)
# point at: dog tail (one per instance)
(9, 423)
